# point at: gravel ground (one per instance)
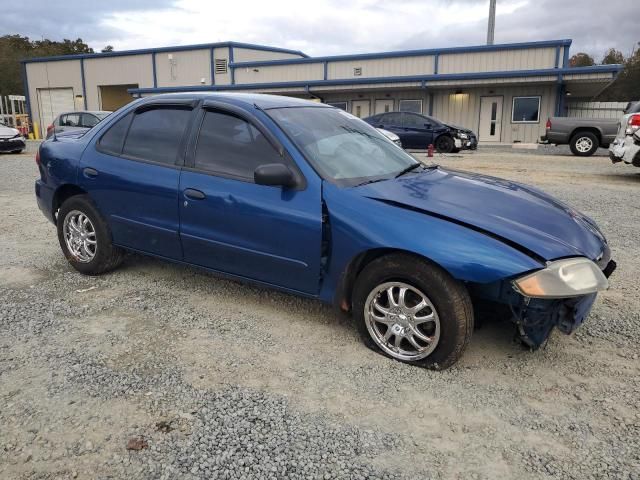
(162, 371)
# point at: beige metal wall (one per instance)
(224, 78)
(121, 70)
(503, 60)
(251, 55)
(189, 68)
(464, 109)
(385, 67)
(41, 75)
(288, 73)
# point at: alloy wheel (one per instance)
(80, 236)
(584, 144)
(402, 321)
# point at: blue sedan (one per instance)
(306, 198)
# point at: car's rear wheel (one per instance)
(444, 144)
(412, 311)
(584, 144)
(85, 238)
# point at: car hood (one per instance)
(8, 132)
(456, 127)
(517, 214)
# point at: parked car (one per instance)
(626, 146)
(583, 135)
(419, 131)
(391, 136)
(11, 140)
(305, 198)
(79, 121)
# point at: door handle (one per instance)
(194, 194)
(90, 172)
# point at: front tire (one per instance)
(584, 144)
(85, 237)
(412, 311)
(445, 144)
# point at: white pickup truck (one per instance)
(626, 146)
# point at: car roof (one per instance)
(246, 100)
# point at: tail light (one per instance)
(633, 124)
(49, 128)
(548, 126)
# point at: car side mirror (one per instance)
(274, 174)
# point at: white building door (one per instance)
(361, 108)
(384, 106)
(51, 103)
(490, 119)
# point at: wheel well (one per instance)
(593, 130)
(62, 194)
(343, 295)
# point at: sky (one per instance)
(328, 27)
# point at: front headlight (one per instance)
(464, 136)
(570, 277)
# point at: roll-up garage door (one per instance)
(51, 103)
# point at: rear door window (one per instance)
(394, 119)
(230, 146)
(112, 141)
(156, 134)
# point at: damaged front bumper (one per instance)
(626, 150)
(535, 318)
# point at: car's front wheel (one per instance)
(85, 238)
(445, 144)
(413, 311)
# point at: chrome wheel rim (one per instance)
(584, 144)
(80, 236)
(402, 321)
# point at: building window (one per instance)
(525, 110)
(413, 106)
(340, 105)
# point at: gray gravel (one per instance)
(221, 380)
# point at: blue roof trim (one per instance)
(409, 53)
(145, 51)
(555, 72)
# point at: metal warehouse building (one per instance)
(504, 92)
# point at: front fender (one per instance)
(358, 224)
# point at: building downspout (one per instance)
(311, 94)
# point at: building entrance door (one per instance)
(361, 108)
(384, 106)
(490, 119)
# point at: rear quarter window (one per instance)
(113, 140)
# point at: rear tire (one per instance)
(85, 237)
(446, 301)
(584, 144)
(445, 144)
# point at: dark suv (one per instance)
(419, 131)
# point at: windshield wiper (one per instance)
(408, 169)
(367, 182)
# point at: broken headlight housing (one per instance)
(570, 277)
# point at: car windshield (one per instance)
(342, 148)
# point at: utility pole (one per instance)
(492, 22)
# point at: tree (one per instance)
(613, 56)
(625, 87)
(107, 49)
(581, 59)
(14, 48)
